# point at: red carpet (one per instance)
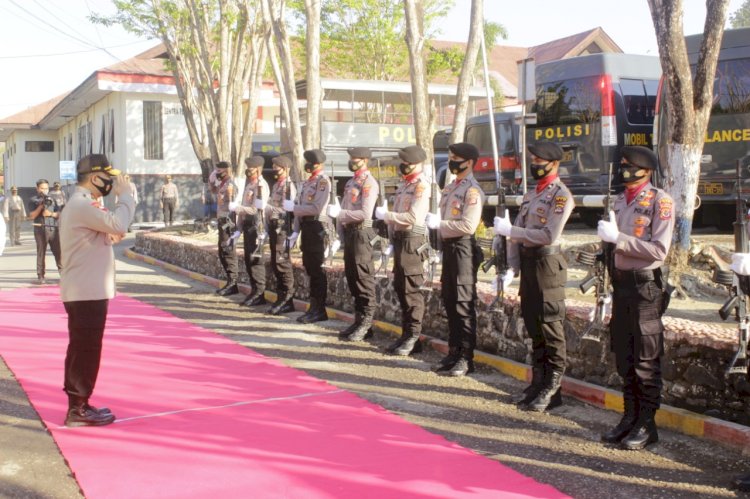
(200, 416)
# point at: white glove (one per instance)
(502, 225)
(235, 235)
(292, 239)
(507, 278)
(388, 250)
(233, 206)
(260, 204)
(334, 209)
(333, 248)
(607, 308)
(433, 220)
(380, 212)
(607, 230)
(740, 263)
(288, 205)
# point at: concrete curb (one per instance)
(726, 433)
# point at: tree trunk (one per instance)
(414, 12)
(314, 96)
(467, 71)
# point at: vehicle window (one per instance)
(479, 135)
(732, 87)
(639, 103)
(569, 101)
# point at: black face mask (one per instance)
(277, 174)
(106, 186)
(406, 168)
(628, 173)
(354, 166)
(539, 171)
(455, 166)
(309, 167)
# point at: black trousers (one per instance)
(542, 293)
(168, 209)
(46, 236)
(359, 267)
(313, 236)
(408, 278)
(227, 254)
(254, 265)
(459, 293)
(281, 265)
(86, 321)
(637, 340)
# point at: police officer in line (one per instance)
(640, 230)
(277, 233)
(225, 190)
(408, 234)
(311, 220)
(44, 211)
(534, 250)
(355, 228)
(461, 205)
(14, 212)
(249, 210)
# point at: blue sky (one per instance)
(48, 47)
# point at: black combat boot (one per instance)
(447, 362)
(644, 431)
(364, 329)
(629, 416)
(317, 312)
(229, 289)
(80, 413)
(531, 391)
(552, 384)
(283, 305)
(351, 327)
(250, 297)
(309, 310)
(391, 349)
(410, 345)
(258, 298)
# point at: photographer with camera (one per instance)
(44, 211)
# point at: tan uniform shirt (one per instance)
(410, 205)
(169, 191)
(312, 198)
(461, 208)
(13, 203)
(225, 193)
(360, 196)
(646, 226)
(88, 262)
(275, 206)
(252, 188)
(540, 220)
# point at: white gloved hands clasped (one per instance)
(334, 209)
(288, 205)
(502, 225)
(433, 220)
(293, 239)
(740, 263)
(380, 211)
(607, 229)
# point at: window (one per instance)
(732, 87)
(578, 100)
(111, 130)
(103, 137)
(152, 131)
(40, 146)
(639, 97)
(70, 146)
(480, 136)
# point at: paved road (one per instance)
(560, 448)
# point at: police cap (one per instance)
(96, 163)
(546, 150)
(14, 189)
(359, 152)
(412, 154)
(315, 156)
(464, 150)
(255, 161)
(282, 161)
(222, 165)
(639, 156)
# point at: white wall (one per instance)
(23, 168)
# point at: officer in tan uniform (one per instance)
(276, 225)
(408, 234)
(534, 249)
(169, 200)
(225, 190)
(461, 205)
(355, 229)
(311, 220)
(249, 212)
(641, 231)
(14, 212)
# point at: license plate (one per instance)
(567, 156)
(711, 188)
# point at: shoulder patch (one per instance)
(472, 196)
(665, 208)
(419, 189)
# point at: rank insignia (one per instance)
(543, 220)
(472, 196)
(540, 210)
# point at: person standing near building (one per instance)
(249, 212)
(277, 225)
(169, 200)
(355, 227)
(44, 212)
(14, 213)
(460, 213)
(408, 234)
(534, 248)
(640, 230)
(310, 219)
(87, 233)
(225, 190)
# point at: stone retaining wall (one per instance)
(695, 357)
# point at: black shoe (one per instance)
(627, 422)
(462, 367)
(447, 362)
(100, 410)
(282, 307)
(228, 290)
(409, 346)
(550, 390)
(391, 349)
(530, 392)
(247, 300)
(87, 416)
(351, 327)
(315, 315)
(363, 329)
(255, 300)
(643, 433)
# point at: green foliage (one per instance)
(441, 61)
(741, 17)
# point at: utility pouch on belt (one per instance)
(477, 255)
(662, 275)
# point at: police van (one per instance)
(728, 135)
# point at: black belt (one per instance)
(367, 224)
(633, 277)
(539, 251)
(406, 234)
(454, 240)
(314, 218)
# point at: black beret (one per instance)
(639, 156)
(412, 154)
(464, 150)
(96, 163)
(254, 162)
(282, 161)
(315, 156)
(359, 152)
(222, 165)
(546, 150)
